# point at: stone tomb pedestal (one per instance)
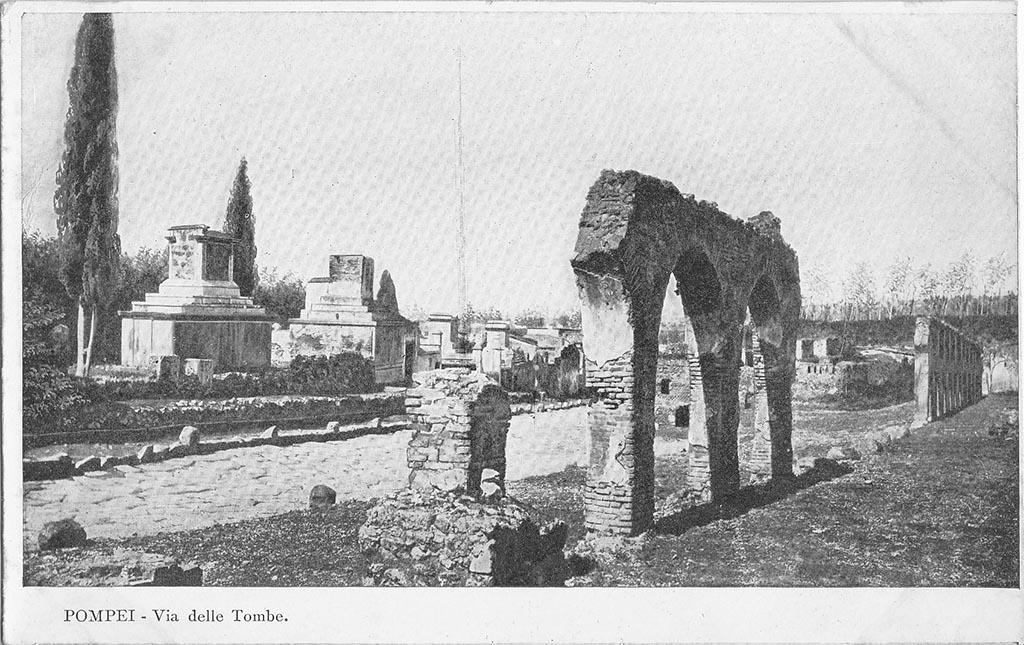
(198, 311)
(341, 316)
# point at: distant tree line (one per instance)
(966, 287)
(532, 318)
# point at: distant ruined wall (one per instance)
(948, 370)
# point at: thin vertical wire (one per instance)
(463, 285)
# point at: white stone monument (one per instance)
(198, 311)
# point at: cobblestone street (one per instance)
(233, 485)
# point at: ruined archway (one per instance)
(774, 350)
(635, 232)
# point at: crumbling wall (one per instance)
(454, 525)
(948, 370)
(635, 232)
(460, 421)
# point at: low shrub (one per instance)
(306, 375)
(349, 372)
(50, 397)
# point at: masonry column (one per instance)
(923, 389)
(725, 462)
(619, 493)
(779, 383)
(761, 446)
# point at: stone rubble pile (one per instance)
(120, 568)
(439, 538)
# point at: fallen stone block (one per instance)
(163, 575)
(62, 534)
(322, 497)
(200, 369)
(145, 454)
(92, 462)
(843, 453)
(57, 467)
(189, 437)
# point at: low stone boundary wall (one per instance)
(547, 406)
(948, 369)
(62, 466)
(140, 420)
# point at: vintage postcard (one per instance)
(698, 320)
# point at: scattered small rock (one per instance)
(490, 490)
(843, 453)
(61, 534)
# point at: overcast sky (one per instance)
(871, 136)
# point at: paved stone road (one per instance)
(233, 485)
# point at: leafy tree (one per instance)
(530, 318)
(928, 285)
(959, 280)
(816, 289)
(387, 298)
(240, 223)
(49, 395)
(996, 270)
(859, 289)
(472, 315)
(282, 296)
(41, 271)
(897, 281)
(140, 274)
(86, 197)
(571, 320)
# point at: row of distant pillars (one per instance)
(948, 369)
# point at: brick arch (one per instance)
(635, 232)
(774, 348)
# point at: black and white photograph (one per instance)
(354, 298)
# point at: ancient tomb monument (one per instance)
(634, 233)
(198, 312)
(341, 315)
(948, 370)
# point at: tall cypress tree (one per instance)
(86, 197)
(239, 222)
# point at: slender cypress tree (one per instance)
(86, 197)
(239, 222)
